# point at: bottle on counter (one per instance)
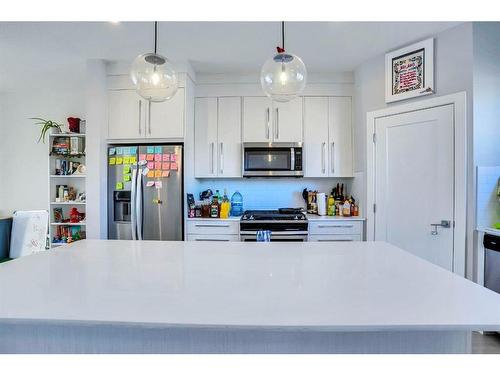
(214, 207)
(236, 204)
(346, 208)
(225, 206)
(331, 205)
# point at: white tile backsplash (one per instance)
(487, 205)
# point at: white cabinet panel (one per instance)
(287, 122)
(257, 126)
(341, 148)
(316, 160)
(229, 137)
(204, 227)
(336, 227)
(213, 237)
(334, 238)
(166, 119)
(205, 141)
(126, 115)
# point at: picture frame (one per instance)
(409, 71)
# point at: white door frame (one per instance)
(458, 101)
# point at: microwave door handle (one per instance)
(292, 159)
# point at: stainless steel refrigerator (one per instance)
(145, 192)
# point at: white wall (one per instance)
(24, 184)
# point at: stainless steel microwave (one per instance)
(272, 159)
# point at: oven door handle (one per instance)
(279, 234)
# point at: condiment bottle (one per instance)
(331, 205)
(214, 207)
(346, 208)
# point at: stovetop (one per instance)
(285, 214)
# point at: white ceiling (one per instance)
(32, 53)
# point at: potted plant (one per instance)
(46, 126)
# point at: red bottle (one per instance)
(74, 215)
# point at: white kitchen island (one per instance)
(205, 297)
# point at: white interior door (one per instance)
(414, 182)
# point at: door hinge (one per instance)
(374, 137)
(374, 208)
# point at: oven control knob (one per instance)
(251, 217)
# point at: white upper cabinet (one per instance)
(229, 137)
(265, 121)
(257, 119)
(328, 137)
(316, 137)
(287, 121)
(218, 137)
(205, 137)
(126, 115)
(166, 119)
(131, 117)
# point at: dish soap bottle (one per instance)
(237, 204)
(225, 206)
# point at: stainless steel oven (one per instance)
(272, 159)
(285, 225)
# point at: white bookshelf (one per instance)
(77, 181)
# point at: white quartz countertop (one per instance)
(358, 286)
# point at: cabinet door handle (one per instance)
(212, 157)
(334, 226)
(221, 158)
(268, 115)
(277, 123)
(140, 113)
(211, 239)
(332, 157)
(343, 240)
(149, 118)
(323, 146)
(212, 225)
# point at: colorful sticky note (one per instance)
(165, 166)
(145, 171)
(126, 160)
(142, 156)
(150, 150)
(165, 173)
(157, 165)
(158, 184)
(173, 166)
(133, 160)
(133, 150)
(119, 186)
(151, 165)
(158, 149)
(112, 151)
(173, 157)
(151, 174)
(126, 150)
(126, 178)
(150, 157)
(157, 157)
(112, 161)
(166, 157)
(119, 160)
(119, 151)
(157, 173)
(150, 183)
(127, 169)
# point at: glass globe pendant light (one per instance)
(154, 77)
(284, 76)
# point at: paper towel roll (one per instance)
(321, 201)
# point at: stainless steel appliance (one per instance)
(285, 224)
(491, 245)
(272, 159)
(145, 192)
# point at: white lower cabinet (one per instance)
(334, 237)
(213, 230)
(335, 230)
(213, 237)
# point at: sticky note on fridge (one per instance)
(145, 171)
(150, 150)
(173, 157)
(151, 165)
(158, 184)
(126, 160)
(157, 165)
(142, 156)
(125, 150)
(165, 173)
(133, 160)
(150, 157)
(112, 161)
(119, 186)
(112, 151)
(173, 166)
(165, 166)
(126, 178)
(119, 151)
(127, 169)
(157, 173)
(166, 157)
(157, 157)
(133, 150)
(151, 174)
(158, 150)
(150, 183)
(119, 160)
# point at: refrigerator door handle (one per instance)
(133, 216)
(139, 206)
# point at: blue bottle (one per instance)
(237, 204)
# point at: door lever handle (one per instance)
(443, 224)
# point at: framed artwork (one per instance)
(409, 71)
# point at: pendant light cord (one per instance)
(283, 35)
(156, 34)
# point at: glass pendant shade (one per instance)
(283, 77)
(154, 77)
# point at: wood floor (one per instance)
(485, 344)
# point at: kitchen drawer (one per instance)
(334, 237)
(336, 227)
(213, 227)
(214, 237)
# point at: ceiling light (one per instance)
(154, 77)
(284, 76)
